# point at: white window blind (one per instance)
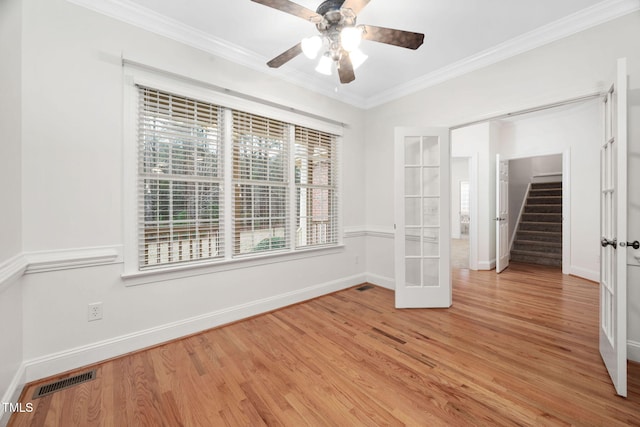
(260, 181)
(316, 188)
(180, 185)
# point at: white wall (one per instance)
(574, 66)
(73, 191)
(10, 122)
(459, 173)
(545, 165)
(579, 130)
(478, 141)
(11, 336)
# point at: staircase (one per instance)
(539, 236)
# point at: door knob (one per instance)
(605, 242)
(635, 244)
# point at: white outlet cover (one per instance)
(95, 311)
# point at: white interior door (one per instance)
(613, 213)
(502, 214)
(422, 211)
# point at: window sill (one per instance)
(162, 274)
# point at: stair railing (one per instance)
(517, 225)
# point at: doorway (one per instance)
(535, 210)
(572, 131)
(460, 212)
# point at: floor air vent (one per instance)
(364, 288)
(46, 389)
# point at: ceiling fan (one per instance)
(339, 35)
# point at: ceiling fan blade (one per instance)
(355, 5)
(291, 8)
(400, 38)
(286, 56)
(345, 68)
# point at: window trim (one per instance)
(134, 76)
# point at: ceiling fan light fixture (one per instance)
(311, 46)
(357, 58)
(325, 65)
(350, 38)
(339, 38)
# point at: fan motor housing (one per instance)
(334, 18)
(329, 6)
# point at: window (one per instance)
(316, 196)
(280, 184)
(260, 182)
(180, 179)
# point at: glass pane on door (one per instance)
(422, 211)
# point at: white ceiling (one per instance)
(461, 35)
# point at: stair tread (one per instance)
(535, 253)
(540, 222)
(542, 213)
(545, 184)
(537, 242)
(539, 231)
(536, 231)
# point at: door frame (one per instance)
(566, 200)
(472, 164)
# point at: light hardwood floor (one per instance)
(519, 348)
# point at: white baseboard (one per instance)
(487, 265)
(594, 276)
(56, 363)
(384, 282)
(12, 394)
(633, 351)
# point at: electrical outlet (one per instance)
(95, 311)
(357, 259)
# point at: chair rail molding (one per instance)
(12, 269)
(63, 259)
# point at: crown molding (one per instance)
(149, 20)
(131, 13)
(590, 17)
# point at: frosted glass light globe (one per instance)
(350, 38)
(325, 65)
(311, 46)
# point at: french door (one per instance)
(613, 214)
(423, 223)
